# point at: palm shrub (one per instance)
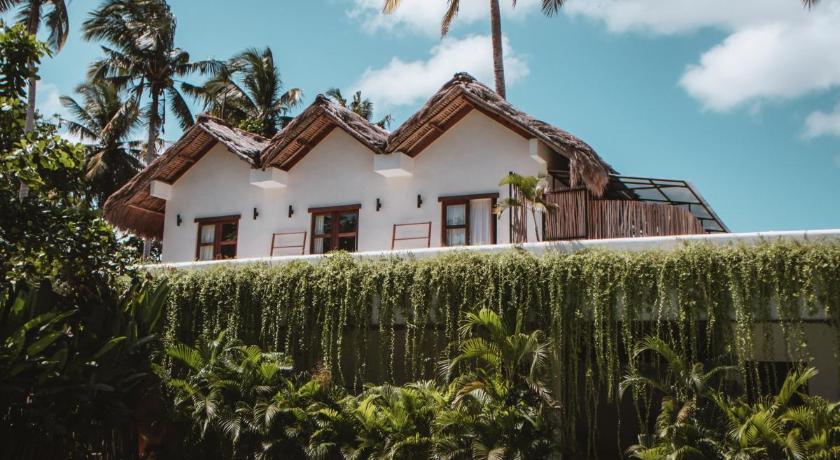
(395, 422)
(530, 196)
(686, 424)
(790, 424)
(242, 402)
(698, 418)
(501, 406)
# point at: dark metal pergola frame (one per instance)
(626, 186)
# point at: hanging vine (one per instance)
(395, 318)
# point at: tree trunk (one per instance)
(151, 144)
(496, 33)
(536, 226)
(32, 23)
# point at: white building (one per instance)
(331, 179)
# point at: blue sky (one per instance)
(740, 98)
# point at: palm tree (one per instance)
(361, 107)
(810, 3)
(530, 194)
(247, 91)
(141, 58)
(106, 122)
(549, 8)
(31, 12)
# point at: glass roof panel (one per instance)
(650, 194)
(682, 194)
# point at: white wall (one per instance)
(469, 158)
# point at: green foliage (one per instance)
(236, 399)
(52, 234)
(72, 374)
(530, 192)
(247, 91)
(704, 299)
(501, 406)
(106, 121)
(698, 420)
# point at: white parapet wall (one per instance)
(617, 244)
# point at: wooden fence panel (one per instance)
(577, 216)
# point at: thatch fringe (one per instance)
(132, 209)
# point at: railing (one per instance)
(577, 215)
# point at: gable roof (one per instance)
(312, 125)
(132, 208)
(464, 93)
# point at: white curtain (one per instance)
(481, 219)
(319, 229)
(208, 235)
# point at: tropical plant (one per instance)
(31, 13)
(73, 373)
(549, 8)
(227, 393)
(52, 235)
(141, 58)
(501, 407)
(106, 122)
(247, 91)
(395, 422)
(790, 424)
(682, 429)
(529, 195)
(359, 106)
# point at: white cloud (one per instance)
(410, 82)
(48, 102)
(49, 105)
(424, 16)
(823, 123)
(775, 49)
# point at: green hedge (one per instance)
(705, 299)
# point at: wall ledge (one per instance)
(617, 244)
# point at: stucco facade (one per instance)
(469, 158)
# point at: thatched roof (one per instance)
(313, 124)
(131, 207)
(463, 93)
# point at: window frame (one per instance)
(456, 200)
(217, 244)
(335, 212)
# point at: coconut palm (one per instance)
(810, 3)
(361, 107)
(141, 58)
(530, 194)
(248, 91)
(105, 122)
(549, 8)
(31, 13)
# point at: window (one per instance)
(468, 219)
(217, 237)
(335, 227)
